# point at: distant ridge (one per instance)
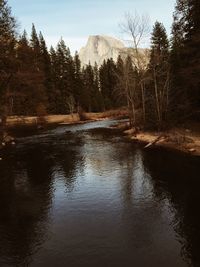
(102, 47)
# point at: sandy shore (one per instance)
(33, 120)
(13, 121)
(184, 139)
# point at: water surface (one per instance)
(84, 196)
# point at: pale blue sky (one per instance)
(75, 20)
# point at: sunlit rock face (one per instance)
(100, 48)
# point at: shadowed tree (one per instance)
(158, 98)
(7, 59)
(185, 58)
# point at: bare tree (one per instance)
(127, 87)
(137, 28)
(161, 92)
(71, 104)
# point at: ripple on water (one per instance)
(83, 196)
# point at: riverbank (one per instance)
(18, 126)
(183, 138)
(15, 121)
(51, 180)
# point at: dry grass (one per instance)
(118, 113)
(51, 119)
(57, 119)
(182, 139)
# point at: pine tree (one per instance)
(35, 45)
(7, 37)
(65, 72)
(185, 57)
(192, 53)
(97, 98)
(7, 58)
(159, 45)
(180, 103)
(119, 93)
(108, 80)
(32, 78)
(88, 82)
(45, 58)
(24, 74)
(78, 82)
(45, 62)
(159, 74)
(54, 95)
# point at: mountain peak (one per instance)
(100, 48)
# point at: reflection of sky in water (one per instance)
(88, 198)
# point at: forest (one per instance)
(35, 80)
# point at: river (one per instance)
(83, 195)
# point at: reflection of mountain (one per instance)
(176, 178)
(26, 191)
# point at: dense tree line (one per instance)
(185, 57)
(38, 81)
(166, 90)
(35, 80)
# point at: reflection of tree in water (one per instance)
(139, 211)
(29, 176)
(25, 198)
(69, 163)
(69, 160)
(26, 191)
(136, 185)
(114, 155)
(104, 149)
(176, 178)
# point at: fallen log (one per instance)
(154, 142)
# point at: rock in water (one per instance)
(100, 48)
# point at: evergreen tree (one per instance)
(159, 53)
(192, 53)
(25, 71)
(119, 93)
(45, 58)
(108, 80)
(7, 37)
(78, 82)
(54, 94)
(185, 56)
(65, 74)
(45, 62)
(88, 82)
(32, 79)
(159, 74)
(35, 45)
(180, 95)
(7, 58)
(97, 98)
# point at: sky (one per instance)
(75, 20)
